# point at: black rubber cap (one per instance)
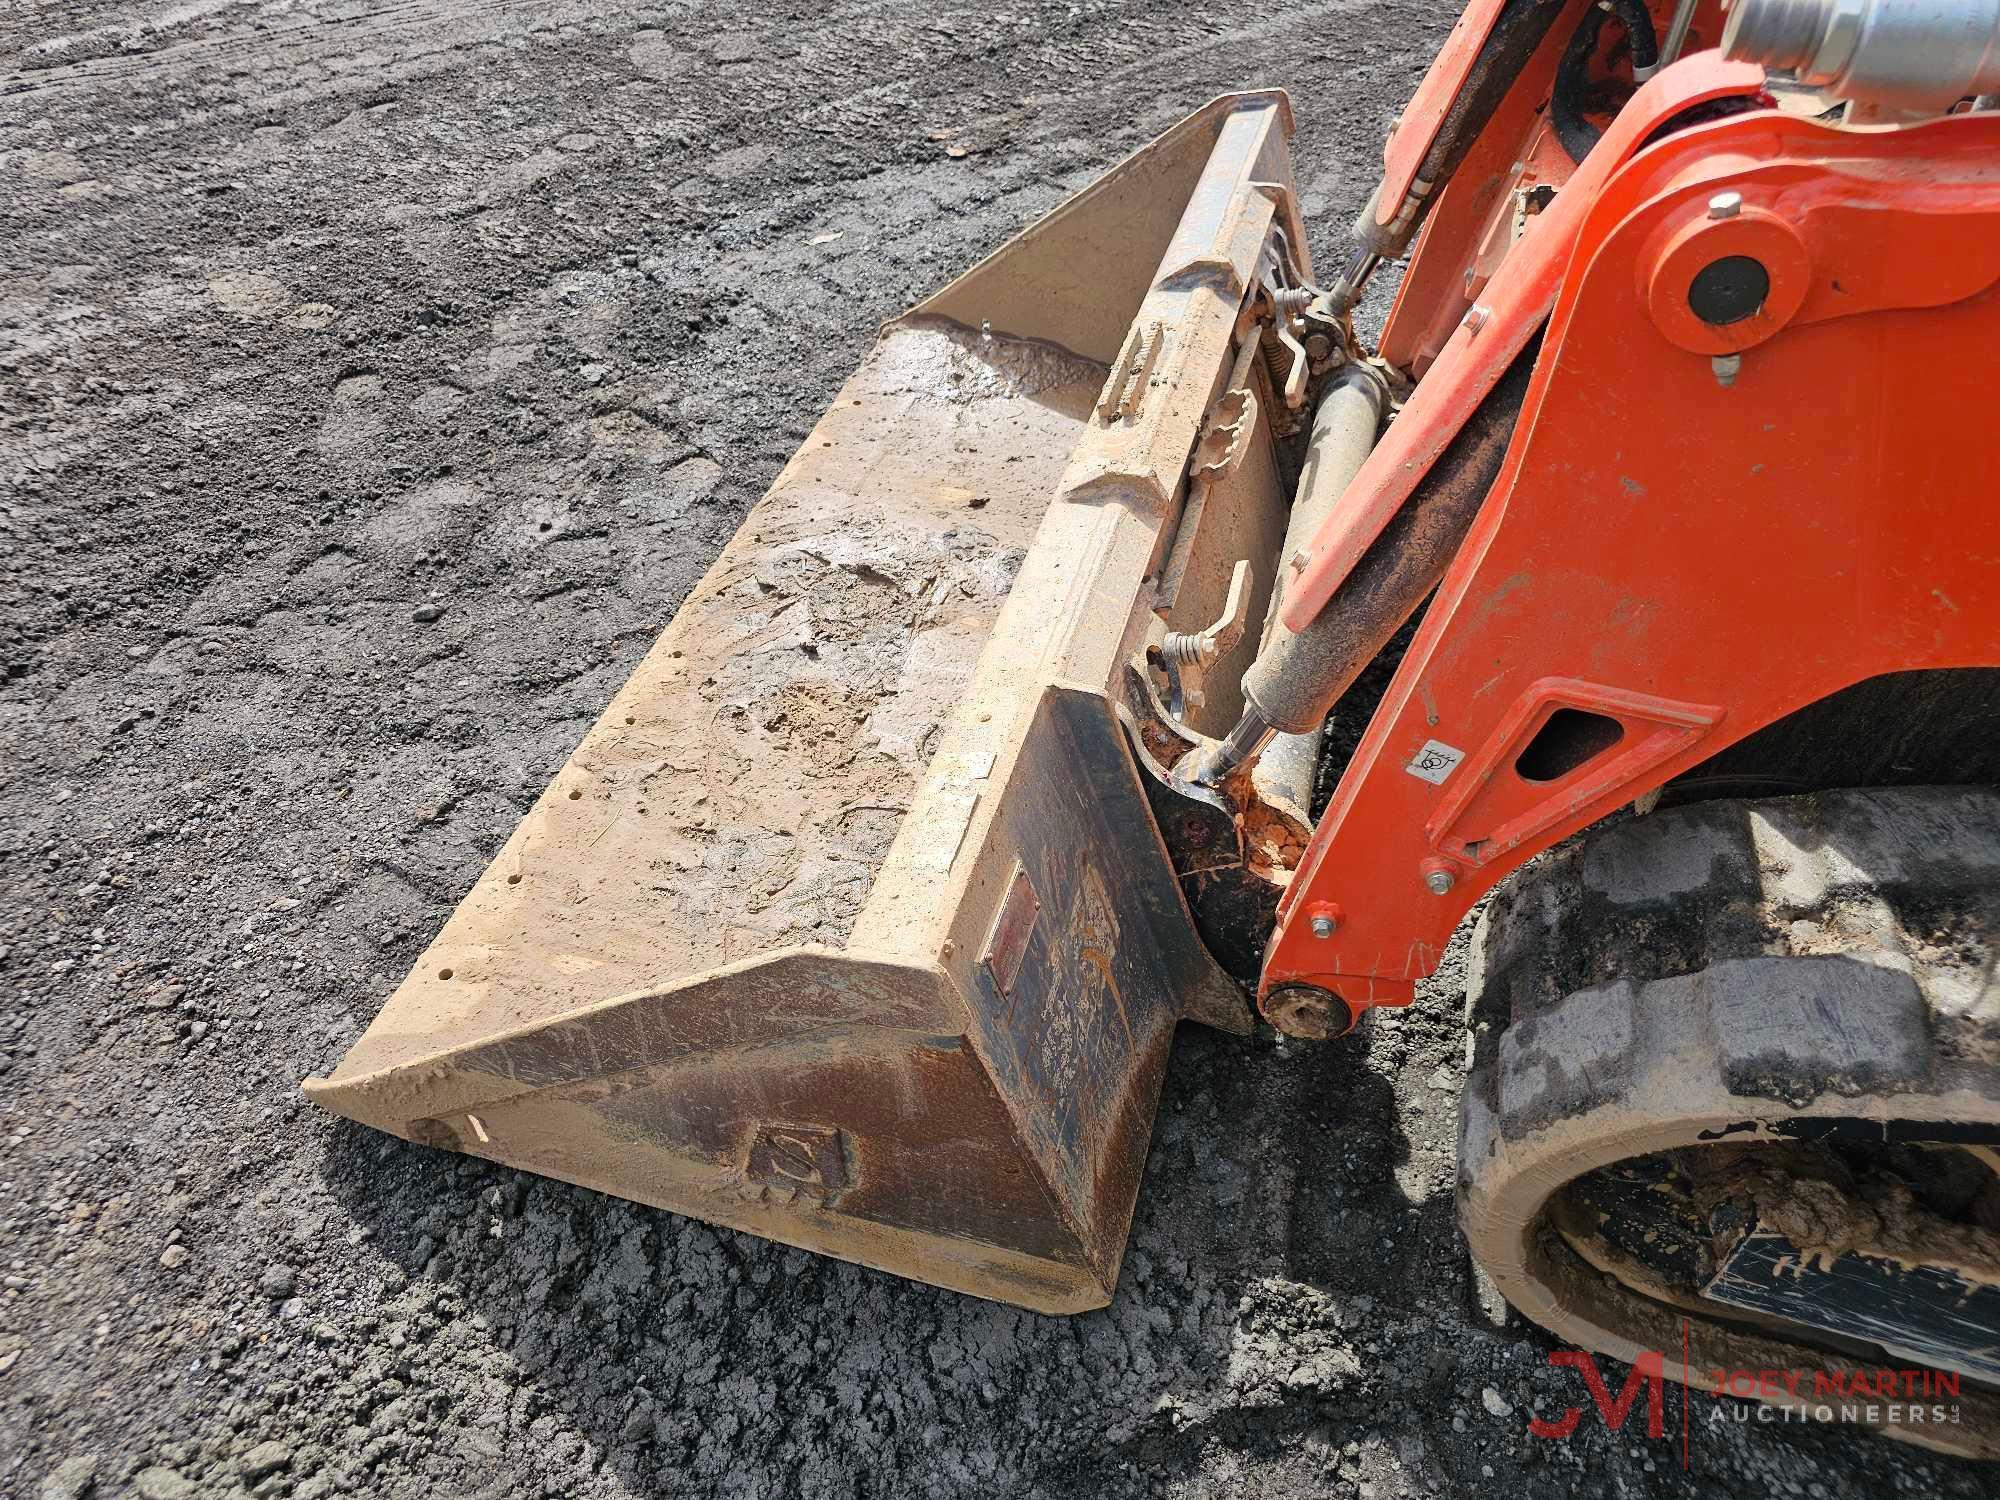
(1729, 290)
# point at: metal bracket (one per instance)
(1227, 437)
(1201, 649)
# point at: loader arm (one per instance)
(1739, 336)
(1582, 649)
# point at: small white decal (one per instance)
(1434, 762)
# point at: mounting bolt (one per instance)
(1726, 367)
(1725, 205)
(1476, 317)
(1439, 877)
(1324, 927)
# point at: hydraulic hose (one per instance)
(1576, 133)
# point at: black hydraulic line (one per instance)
(1576, 133)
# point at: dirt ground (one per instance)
(375, 379)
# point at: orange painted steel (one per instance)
(1418, 126)
(1477, 356)
(1433, 295)
(1516, 149)
(1685, 549)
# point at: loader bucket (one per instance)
(848, 924)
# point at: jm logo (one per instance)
(1648, 1373)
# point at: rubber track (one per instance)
(1708, 973)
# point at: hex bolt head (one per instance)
(1323, 927)
(1438, 880)
(1726, 367)
(1725, 205)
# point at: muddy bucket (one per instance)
(848, 923)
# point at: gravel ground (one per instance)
(375, 378)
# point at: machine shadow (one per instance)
(695, 1357)
(1357, 1230)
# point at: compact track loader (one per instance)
(990, 749)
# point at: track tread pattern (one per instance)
(1905, 878)
(1722, 971)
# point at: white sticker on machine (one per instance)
(1434, 762)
